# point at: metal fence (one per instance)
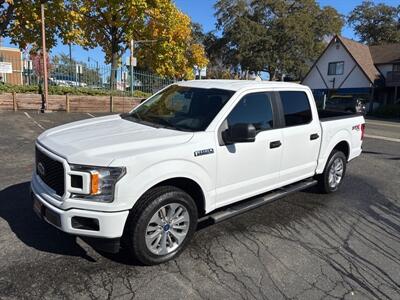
(80, 76)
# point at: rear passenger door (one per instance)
(301, 136)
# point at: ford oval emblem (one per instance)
(41, 170)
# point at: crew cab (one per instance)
(203, 150)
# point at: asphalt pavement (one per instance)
(307, 246)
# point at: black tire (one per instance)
(137, 224)
(323, 179)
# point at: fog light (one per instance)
(85, 223)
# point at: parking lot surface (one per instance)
(306, 246)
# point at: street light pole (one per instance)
(70, 61)
(131, 67)
(45, 83)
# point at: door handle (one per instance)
(314, 136)
(275, 144)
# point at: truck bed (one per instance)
(330, 115)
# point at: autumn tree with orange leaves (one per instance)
(110, 25)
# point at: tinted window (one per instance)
(253, 109)
(296, 108)
(181, 108)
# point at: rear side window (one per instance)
(253, 109)
(296, 108)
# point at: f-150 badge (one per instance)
(204, 152)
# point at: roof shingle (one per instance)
(385, 54)
(362, 55)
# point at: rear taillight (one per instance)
(362, 131)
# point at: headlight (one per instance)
(98, 184)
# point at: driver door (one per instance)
(248, 169)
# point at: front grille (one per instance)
(50, 171)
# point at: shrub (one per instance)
(388, 111)
(62, 90)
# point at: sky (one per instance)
(202, 11)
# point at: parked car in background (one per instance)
(65, 80)
(203, 150)
(346, 103)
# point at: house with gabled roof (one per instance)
(351, 68)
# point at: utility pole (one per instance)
(70, 61)
(131, 67)
(45, 83)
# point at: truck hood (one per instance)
(99, 141)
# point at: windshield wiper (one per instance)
(167, 124)
(136, 115)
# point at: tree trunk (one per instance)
(114, 59)
(114, 71)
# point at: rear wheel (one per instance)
(334, 172)
(161, 225)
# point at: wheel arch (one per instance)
(341, 142)
(344, 147)
(190, 177)
(189, 186)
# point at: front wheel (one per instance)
(161, 225)
(334, 172)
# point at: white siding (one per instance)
(357, 79)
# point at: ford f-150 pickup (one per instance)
(196, 151)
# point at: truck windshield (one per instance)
(181, 108)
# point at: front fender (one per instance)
(137, 184)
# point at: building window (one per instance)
(396, 68)
(336, 68)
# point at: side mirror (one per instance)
(240, 133)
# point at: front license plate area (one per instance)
(44, 213)
(38, 207)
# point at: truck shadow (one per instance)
(16, 209)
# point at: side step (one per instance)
(252, 203)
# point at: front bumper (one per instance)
(110, 224)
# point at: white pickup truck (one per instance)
(195, 151)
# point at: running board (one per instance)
(252, 203)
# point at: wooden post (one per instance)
(111, 103)
(14, 97)
(66, 102)
(45, 83)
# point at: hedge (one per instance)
(62, 90)
(388, 111)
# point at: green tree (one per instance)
(376, 24)
(6, 15)
(278, 36)
(218, 53)
(21, 22)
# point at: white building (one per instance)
(349, 67)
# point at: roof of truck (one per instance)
(235, 85)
